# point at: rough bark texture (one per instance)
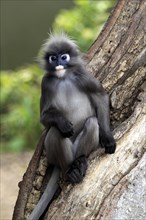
(114, 187)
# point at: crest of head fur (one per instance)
(58, 39)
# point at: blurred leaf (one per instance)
(20, 97)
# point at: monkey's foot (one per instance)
(77, 170)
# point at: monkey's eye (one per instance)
(65, 57)
(52, 58)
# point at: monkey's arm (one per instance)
(100, 101)
(49, 114)
(52, 117)
(105, 135)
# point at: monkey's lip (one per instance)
(60, 67)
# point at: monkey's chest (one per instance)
(74, 104)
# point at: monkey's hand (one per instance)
(107, 141)
(65, 127)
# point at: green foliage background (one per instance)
(20, 94)
(20, 90)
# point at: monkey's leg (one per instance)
(86, 142)
(58, 149)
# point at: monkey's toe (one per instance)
(77, 170)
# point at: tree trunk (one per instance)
(114, 187)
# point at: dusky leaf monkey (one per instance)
(74, 107)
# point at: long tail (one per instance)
(47, 196)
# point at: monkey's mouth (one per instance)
(59, 67)
(60, 70)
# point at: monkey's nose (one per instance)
(59, 67)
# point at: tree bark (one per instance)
(114, 187)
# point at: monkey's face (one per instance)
(59, 60)
(59, 63)
(60, 56)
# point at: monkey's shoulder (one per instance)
(87, 82)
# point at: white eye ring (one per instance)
(65, 57)
(52, 58)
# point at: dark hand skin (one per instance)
(107, 141)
